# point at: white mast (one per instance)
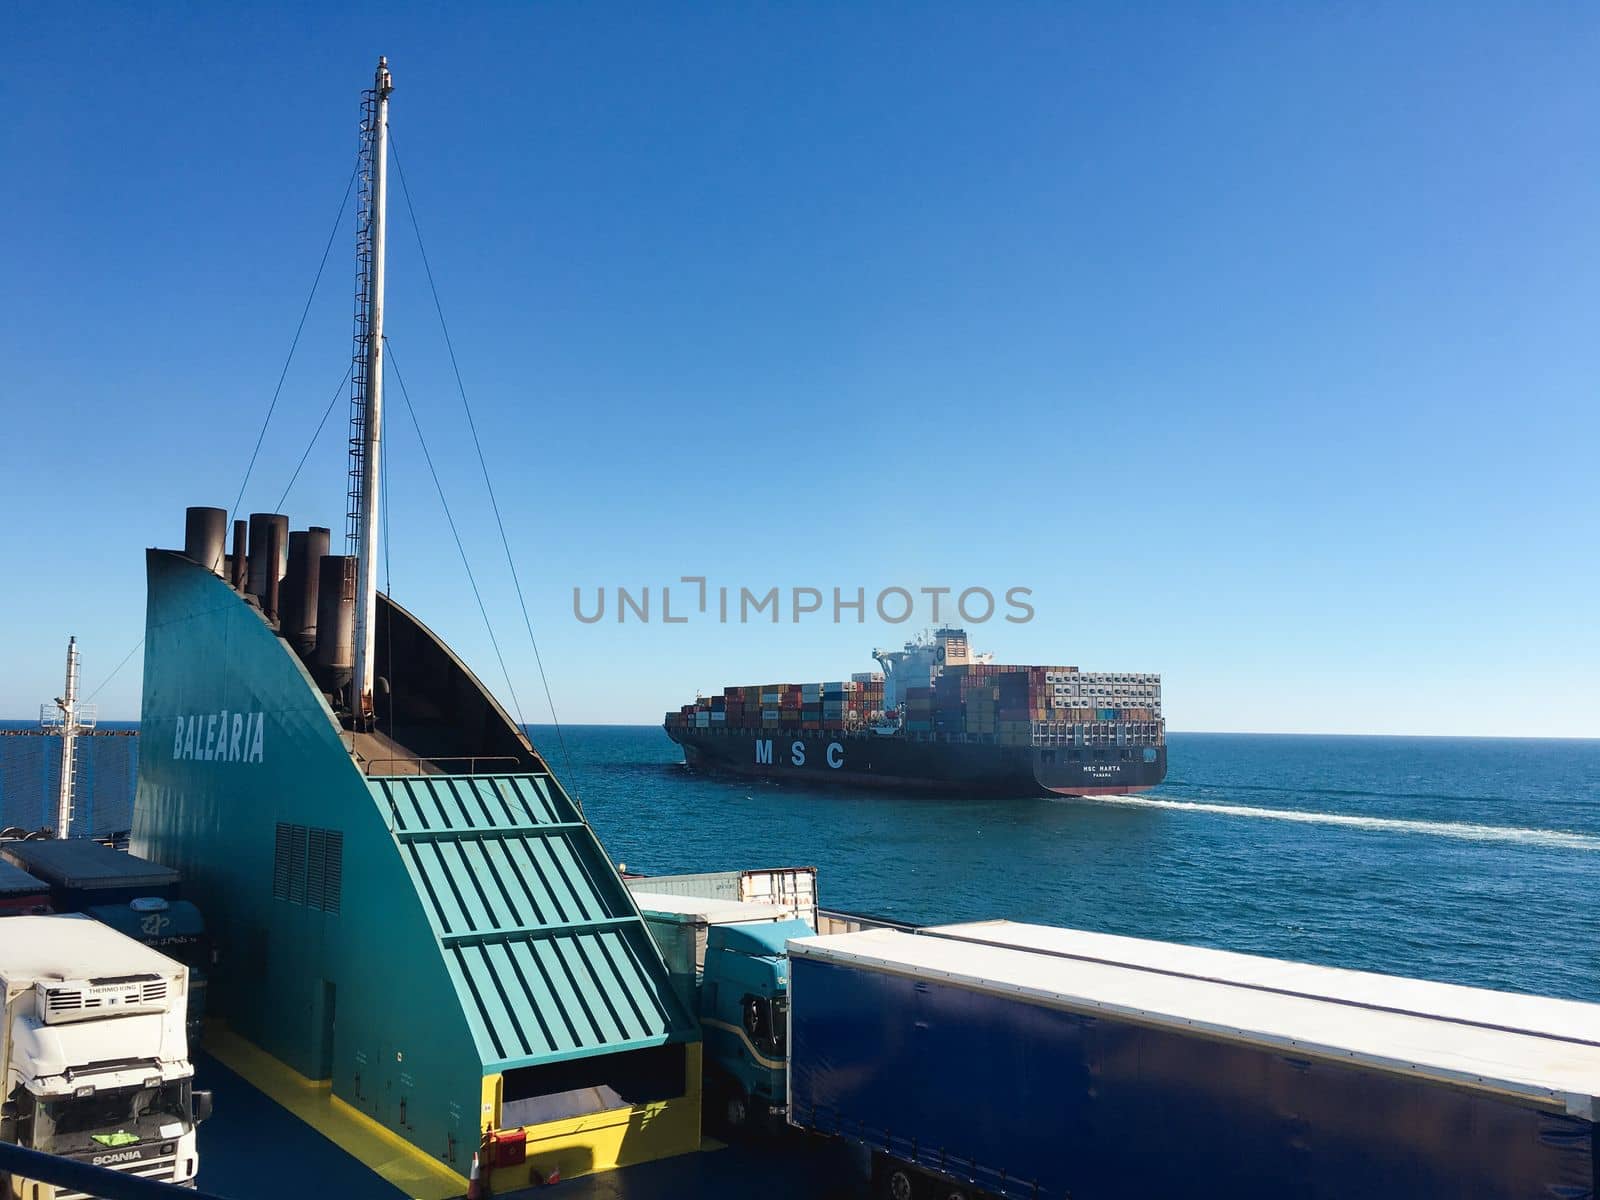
(66, 717)
(372, 415)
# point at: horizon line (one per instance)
(1479, 737)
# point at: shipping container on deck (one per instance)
(81, 871)
(1062, 1070)
(21, 893)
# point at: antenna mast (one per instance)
(67, 718)
(366, 416)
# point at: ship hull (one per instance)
(903, 762)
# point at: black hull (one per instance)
(902, 762)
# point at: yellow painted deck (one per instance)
(391, 1157)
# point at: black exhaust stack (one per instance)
(205, 536)
(238, 565)
(267, 555)
(298, 620)
(277, 552)
(336, 617)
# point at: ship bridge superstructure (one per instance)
(918, 663)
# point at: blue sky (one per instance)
(1257, 340)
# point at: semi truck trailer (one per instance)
(131, 894)
(1010, 1060)
(92, 1052)
(793, 889)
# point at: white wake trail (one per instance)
(1553, 838)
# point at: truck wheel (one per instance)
(899, 1183)
(737, 1111)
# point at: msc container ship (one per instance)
(939, 717)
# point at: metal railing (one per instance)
(73, 1175)
(369, 766)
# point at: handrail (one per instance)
(23, 1163)
(418, 759)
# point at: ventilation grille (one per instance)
(308, 866)
(75, 1001)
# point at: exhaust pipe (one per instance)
(298, 620)
(205, 537)
(238, 569)
(267, 560)
(277, 552)
(336, 615)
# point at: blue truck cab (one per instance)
(744, 1015)
(174, 927)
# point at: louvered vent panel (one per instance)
(297, 864)
(315, 841)
(333, 871)
(280, 863)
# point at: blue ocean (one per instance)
(1475, 861)
(1470, 860)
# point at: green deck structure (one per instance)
(420, 915)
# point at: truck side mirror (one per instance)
(8, 1111)
(202, 1107)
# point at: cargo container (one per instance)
(21, 892)
(792, 889)
(1023, 1061)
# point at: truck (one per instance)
(131, 894)
(727, 960)
(791, 888)
(1014, 1060)
(21, 892)
(93, 1054)
(724, 936)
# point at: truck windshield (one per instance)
(72, 1123)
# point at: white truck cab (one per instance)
(94, 1052)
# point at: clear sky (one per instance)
(1259, 341)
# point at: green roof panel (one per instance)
(547, 951)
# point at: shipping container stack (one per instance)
(1094, 708)
(837, 705)
(1002, 704)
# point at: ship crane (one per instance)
(65, 717)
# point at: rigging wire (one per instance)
(326, 413)
(483, 465)
(460, 549)
(114, 671)
(276, 392)
(300, 328)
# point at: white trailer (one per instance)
(792, 888)
(93, 1050)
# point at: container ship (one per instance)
(937, 716)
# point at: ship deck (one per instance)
(260, 1136)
